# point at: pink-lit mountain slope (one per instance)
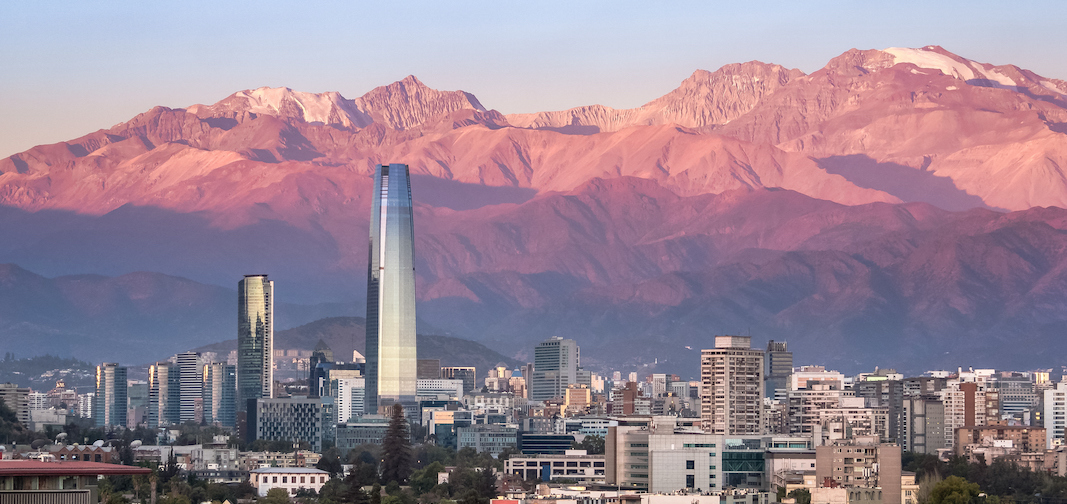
(846, 207)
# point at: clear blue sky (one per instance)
(68, 68)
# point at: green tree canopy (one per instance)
(954, 490)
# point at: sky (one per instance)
(70, 68)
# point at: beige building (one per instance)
(731, 388)
(289, 479)
(860, 464)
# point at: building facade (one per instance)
(111, 400)
(164, 395)
(220, 394)
(390, 352)
(192, 387)
(255, 339)
(293, 419)
(731, 391)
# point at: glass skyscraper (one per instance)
(164, 395)
(110, 400)
(255, 339)
(390, 352)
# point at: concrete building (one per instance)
(1055, 409)
(969, 404)
(289, 419)
(440, 389)
(290, 479)
(491, 439)
(255, 339)
(731, 391)
(861, 464)
(468, 374)
(1025, 439)
(110, 398)
(350, 394)
(32, 481)
(923, 424)
(428, 369)
(369, 429)
(391, 344)
(17, 399)
(574, 465)
(557, 364)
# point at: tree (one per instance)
(594, 445)
(802, 495)
(954, 490)
(330, 462)
(396, 448)
(276, 496)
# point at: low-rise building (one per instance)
(575, 465)
(69, 482)
(491, 439)
(289, 479)
(369, 429)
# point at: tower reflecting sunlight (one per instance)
(390, 351)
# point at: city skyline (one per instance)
(255, 339)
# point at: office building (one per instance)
(137, 394)
(220, 394)
(467, 374)
(390, 352)
(255, 339)
(369, 429)
(572, 465)
(191, 371)
(428, 369)
(427, 389)
(492, 439)
(350, 397)
(557, 364)
(111, 401)
(319, 368)
(731, 390)
(779, 362)
(287, 419)
(164, 395)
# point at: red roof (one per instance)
(65, 468)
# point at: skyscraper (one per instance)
(556, 365)
(731, 389)
(110, 398)
(390, 351)
(164, 395)
(779, 365)
(255, 339)
(192, 386)
(220, 384)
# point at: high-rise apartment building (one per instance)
(255, 339)
(1055, 415)
(219, 394)
(191, 371)
(390, 352)
(17, 399)
(110, 398)
(731, 389)
(779, 362)
(164, 394)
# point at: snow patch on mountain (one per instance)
(326, 108)
(966, 70)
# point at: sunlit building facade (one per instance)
(220, 384)
(390, 352)
(111, 402)
(164, 395)
(255, 339)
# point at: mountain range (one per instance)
(899, 207)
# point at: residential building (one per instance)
(255, 339)
(861, 463)
(111, 400)
(970, 403)
(732, 387)
(18, 400)
(1055, 415)
(351, 398)
(391, 343)
(923, 424)
(1024, 438)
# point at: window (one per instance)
(689, 464)
(274, 479)
(322, 479)
(301, 479)
(690, 481)
(285, 479)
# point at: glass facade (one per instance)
(110, 399)
(390, 352)
(164, 395)
(255, 339)
(220, 383)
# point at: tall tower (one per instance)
(220, 383)
(110, 398)
(255, 339)
(779, 366)
(556, 362)
(390, 352)
(164, 395)
(192, 386)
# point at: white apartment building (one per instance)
(351, 398)
(1055, 415)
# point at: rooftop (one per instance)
(288, 470)
(65, 468)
